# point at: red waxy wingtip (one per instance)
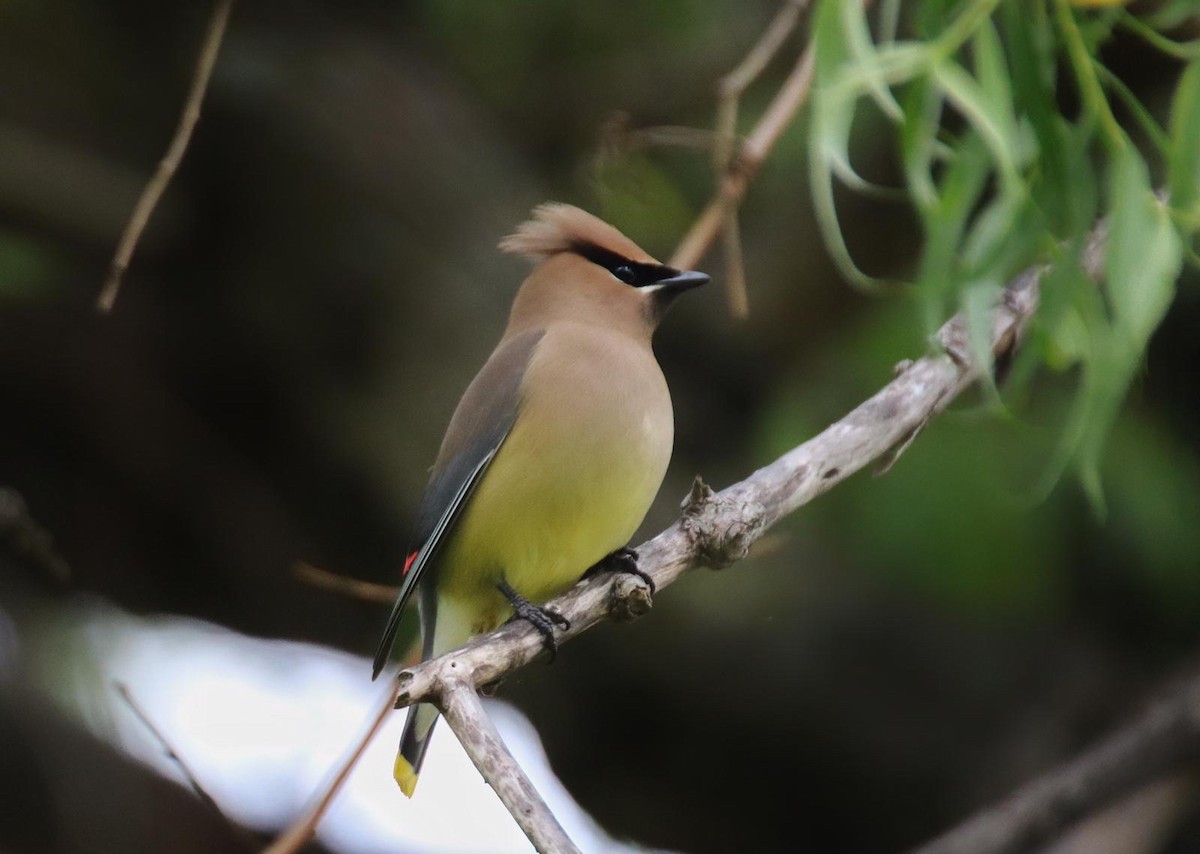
(409, 562)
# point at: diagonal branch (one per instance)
(170, 162)
(465, 714)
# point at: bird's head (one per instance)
(590, 272)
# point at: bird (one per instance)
(553, 455)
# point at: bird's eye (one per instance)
(625, 274)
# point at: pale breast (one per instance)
(579, 470)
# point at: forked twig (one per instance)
(754, 150)
(170, 162)
(729, 93)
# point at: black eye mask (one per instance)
(634, 273)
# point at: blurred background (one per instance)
(311, 297)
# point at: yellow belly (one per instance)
(572, 481)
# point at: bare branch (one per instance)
(1165, 739)
(170, 162)
(368, 591)
(475, 731)
(737, 81)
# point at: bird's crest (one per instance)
(556, 227)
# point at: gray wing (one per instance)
(482, 421)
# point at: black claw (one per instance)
(624, 560)
(542, 619)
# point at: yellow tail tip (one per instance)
(406, 777)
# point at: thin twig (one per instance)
(368, 591)
(302, 830)
(170, 162)
(169, 749)
(757, 146)
(729, 93)
(477, 734)
(736, 296)
(737, 81)
(667, 136)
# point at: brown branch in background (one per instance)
(170, 162)
(368, 591)
(729, 93)
(753, 152)
(1164, 740)
(302, 830)
(625, 139)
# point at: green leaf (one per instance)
(1144, 254)
(993, 119)
(1143, 262)
(918, 134)
(1183, 173)
(990, 68)
(978, 299)
(857, 34)
(1171, 14)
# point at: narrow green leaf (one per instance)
(857, 33)
(918, 133)
(1144, 254)
(993, 120)
(978, 299)
(1143, 262)
(1171, 14)
(1183, 174)
(988, 56)
(833, 106)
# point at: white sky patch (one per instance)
(261, 723)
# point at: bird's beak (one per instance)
(683, 280)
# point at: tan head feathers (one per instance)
(556, 227)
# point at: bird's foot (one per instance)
(623, 560)
(542, 619)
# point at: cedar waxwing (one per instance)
(554, 453)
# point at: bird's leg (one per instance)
(542, 619)
(622, 560)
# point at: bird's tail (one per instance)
(418, 727)
(446, 625)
